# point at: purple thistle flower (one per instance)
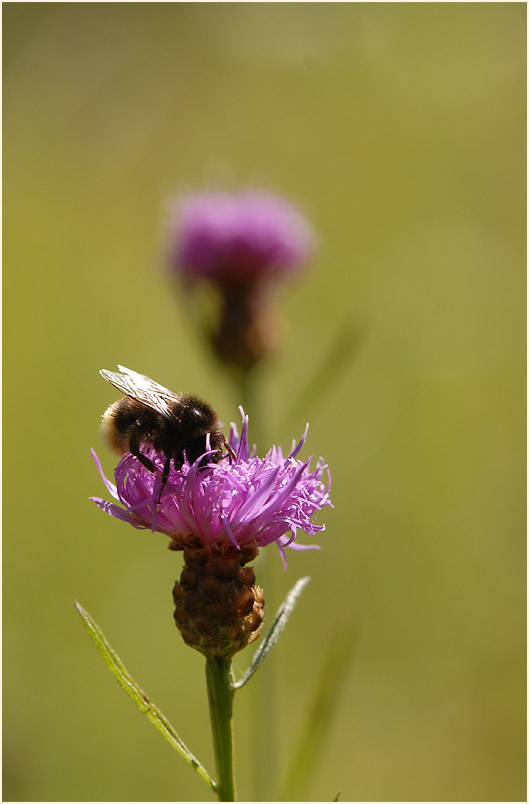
(238, 237)
(252, 501)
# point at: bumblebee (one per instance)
(180, 426)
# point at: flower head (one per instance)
(251, 502)
(245, 237)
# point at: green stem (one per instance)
(220, 698)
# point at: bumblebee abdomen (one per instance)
(126, 418)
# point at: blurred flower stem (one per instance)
(263, 694)
(246, 390)
(220, 699)
(318, 717)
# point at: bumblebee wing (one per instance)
(142, 388)
(146, 382)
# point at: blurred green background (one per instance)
(401, 131)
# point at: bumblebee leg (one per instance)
(143, 459)
(134, 449)
(229, 449)
(165, 476)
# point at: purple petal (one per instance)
(110, 486)
(230, 532)
(117, 512)
(302, 440)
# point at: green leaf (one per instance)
(313, 732)
(337, 797)
(341, 351)
(276, 629)
(116, 667)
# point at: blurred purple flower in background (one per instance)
(252, 501)
(243, 237)
(238, 243)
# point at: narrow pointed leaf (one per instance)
(341, 352)
(276, 629)
(313, 732)
(337, 797)
(116, 667)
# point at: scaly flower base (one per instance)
(218, 608)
